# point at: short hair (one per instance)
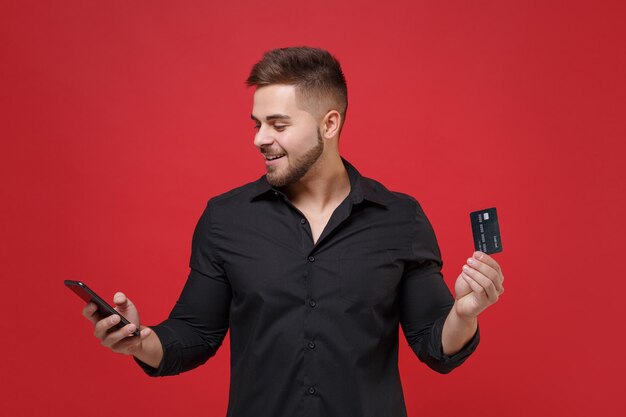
(314, 72)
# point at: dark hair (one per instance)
(314, 72)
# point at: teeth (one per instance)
(271, 158)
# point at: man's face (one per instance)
(287, 135)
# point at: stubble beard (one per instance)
(297, 170)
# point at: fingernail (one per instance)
(478, 255)
(115, 318)
(470, 261)
(465, 268)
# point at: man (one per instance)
(312, 268)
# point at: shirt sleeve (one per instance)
(198, 323)
(425, 300)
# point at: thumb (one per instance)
(122, 302)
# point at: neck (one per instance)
(326, 183)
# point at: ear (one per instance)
(330, 124)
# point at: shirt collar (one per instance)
(360, 188)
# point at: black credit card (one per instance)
(486, 231)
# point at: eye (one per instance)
(257, 126)
(280, 128)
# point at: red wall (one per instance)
(119, 119)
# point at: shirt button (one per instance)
(312, 303)
(311, 259)
(311, 345)
(311, 390)
(302, 221)
(275, 192)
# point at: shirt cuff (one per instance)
(441, 362)
(170, 363)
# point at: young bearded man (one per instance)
(313, 268)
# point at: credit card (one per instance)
(486, 230)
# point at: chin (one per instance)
(276, 181)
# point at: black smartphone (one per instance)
(104, 309)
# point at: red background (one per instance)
(119, 120)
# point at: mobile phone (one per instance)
(104, 309)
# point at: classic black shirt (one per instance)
(313, 327)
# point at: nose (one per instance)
(263, 137)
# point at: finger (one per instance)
(113, 338)
(128, 345)
(478, 290)
(487, 271)
(483, 257)
(90, 311)
(485, 282)
(104, 326)
(145, 332)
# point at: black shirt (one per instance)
(313, 327)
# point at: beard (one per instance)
(293, 172)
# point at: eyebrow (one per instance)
(272, 117)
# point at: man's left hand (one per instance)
(478, 286)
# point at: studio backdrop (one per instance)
(120, 119)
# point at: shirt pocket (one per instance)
(368, 275)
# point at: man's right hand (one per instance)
(146, 347)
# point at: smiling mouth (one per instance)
(273, 157)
